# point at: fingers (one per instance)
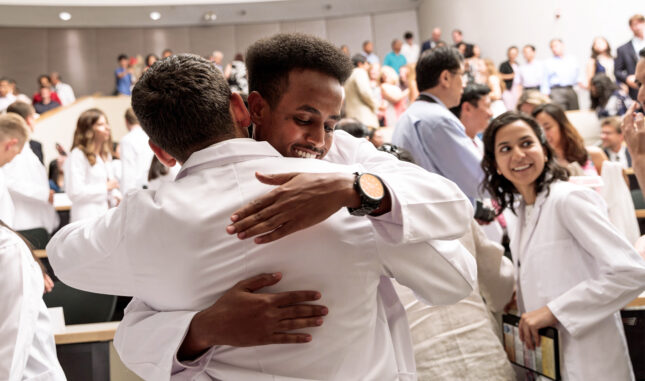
(284, 299)
(536, 337)
(259, 223)
(259, 281)
(290, 338)
(284, 230)
(303, 311)
(276, 178)
(251, 208)
(291, 324)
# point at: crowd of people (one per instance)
(478, 206)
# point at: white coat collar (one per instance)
(227, 152)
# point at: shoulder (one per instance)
(622, 48)
(568, 197)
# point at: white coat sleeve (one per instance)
(439, 272)
(425, 206)
(14, 344)
(148, 340)
(76, 184)
(28, 187)
(88, 254)
(128, 166)
(621, 270)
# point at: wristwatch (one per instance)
(371, 190)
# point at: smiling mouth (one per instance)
(307, 154)
(522, 168)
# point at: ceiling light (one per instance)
(65, 16)
(210, 16)
(155, 16)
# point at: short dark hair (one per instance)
(122, 57)
(366, 42)
(529, 46)
(44, 76)
(408, 35)
(358, 59)
(21, 108)
(353, 127)
(502, 191)
(130, 117)
(270, 60)
(473, 92)
(458, 31)
(432, 64)
(183, 105)
(511, 48)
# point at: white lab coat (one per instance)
(7, 208)
(425, 206)
(136, 156)
(28, 186)
(159, 244)
(569, 257)
(86, 185)
(27, 348)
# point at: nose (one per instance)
(316, 135)
(517, 153)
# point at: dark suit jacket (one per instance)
(427, 45)
(38, 149)
(625, 65)
(627, 155)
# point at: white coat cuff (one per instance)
(565, 321)
(390, 225)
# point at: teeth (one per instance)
(305, 155)
(522, 168)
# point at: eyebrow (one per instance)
(520, 139)
(315, 111)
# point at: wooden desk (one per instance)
(84, 351)
(86, 333)
(40, 254)
(636, 304)
(63, 208)
(640, 213)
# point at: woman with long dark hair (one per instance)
(89, 178)
(567, 143)
(607, 98)
(574, 271)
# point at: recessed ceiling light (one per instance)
(210, 16)
(155, 16)
(65, 16)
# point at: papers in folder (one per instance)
(544, 360)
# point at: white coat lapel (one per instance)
(529, 227)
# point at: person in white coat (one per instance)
(424, 206)
(27, 348)
(89, 178)
(574, 271)
(136, 155)
(354, 343)
(28, 184)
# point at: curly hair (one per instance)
(84, 135)
(573, 145)
(270, 60)
(499, 187)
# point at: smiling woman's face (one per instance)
(519, 156)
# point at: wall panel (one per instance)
(350, 31)
(245, 35)
(315, 27)
(204, 40)
(73, 54)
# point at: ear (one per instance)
(444, 78)
(9, 144)
(258, 107)
(164, 157)
(466, 107)
(240, 115)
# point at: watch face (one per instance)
(371, 186)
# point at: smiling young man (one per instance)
(170, 251)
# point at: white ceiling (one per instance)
(136, 13)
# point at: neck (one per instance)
(469, 132)
(436, 91)
(616, 149)
(528, 193)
